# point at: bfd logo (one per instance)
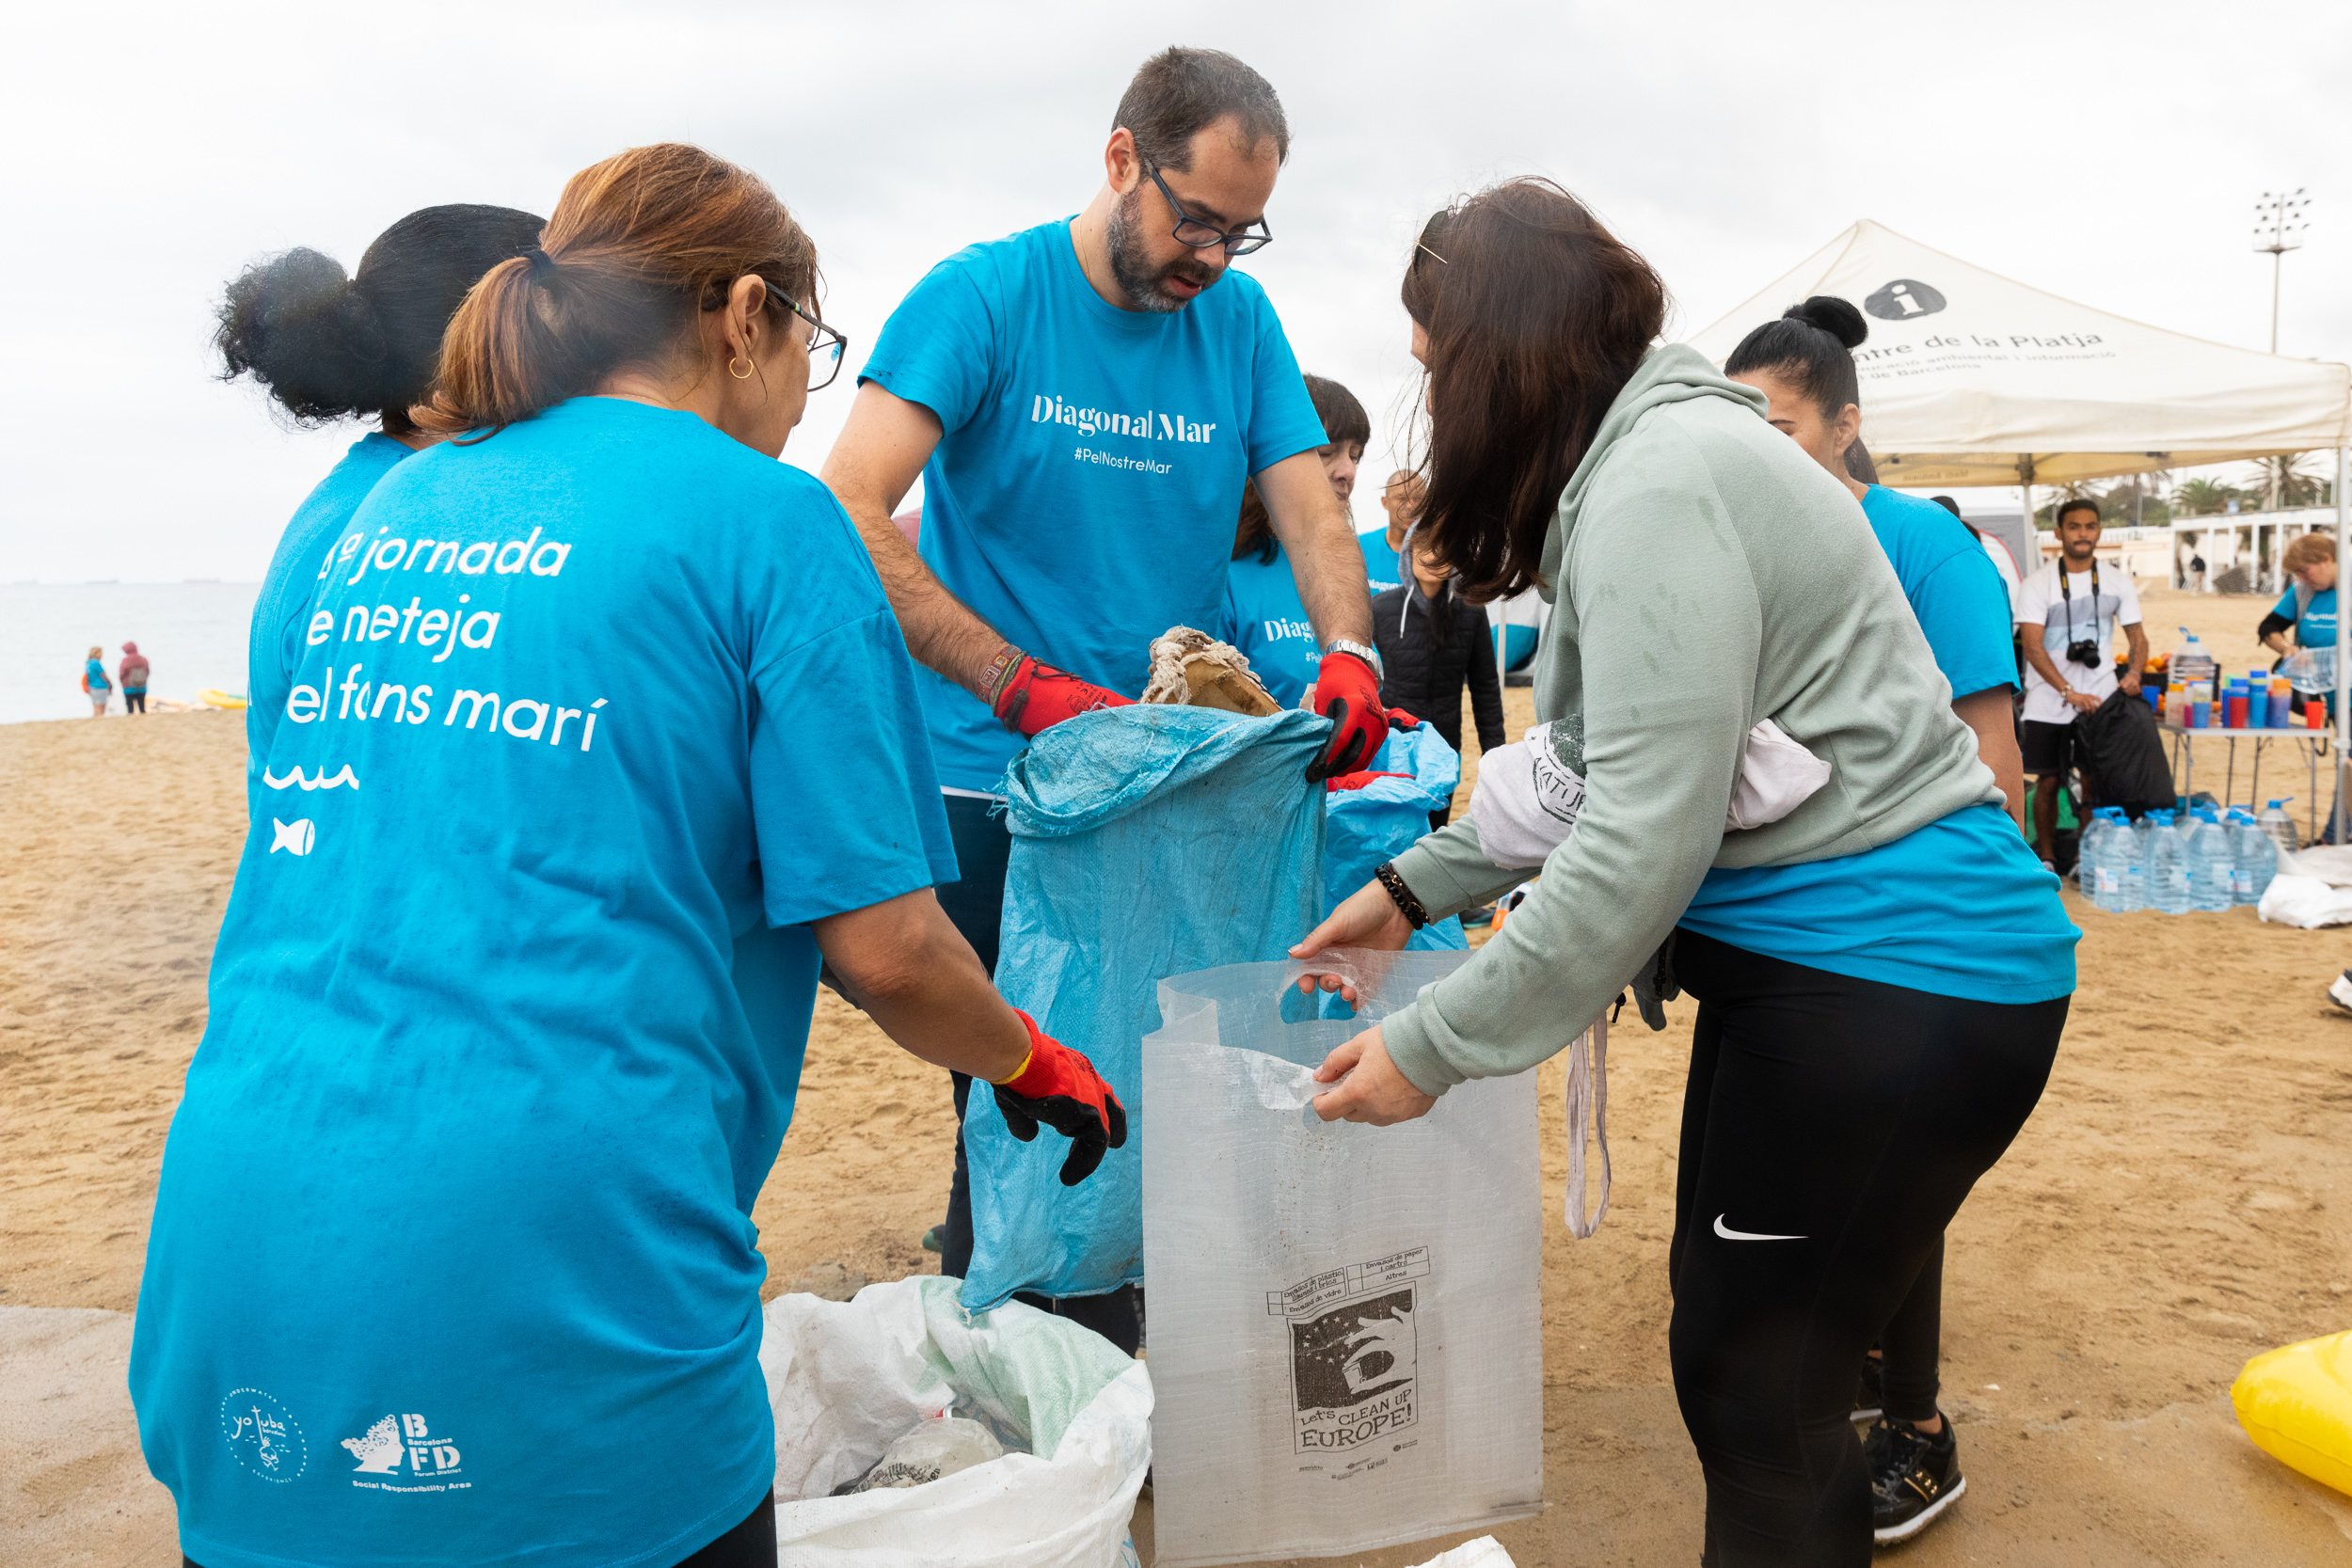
(408, 1437)
(1902, 299)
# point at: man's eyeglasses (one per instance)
(826, 345)
(1194, 234)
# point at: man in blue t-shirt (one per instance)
(1401, 499)
(1084, 401)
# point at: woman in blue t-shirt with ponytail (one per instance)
(1804, 365)
(330, 347)
(597, 736)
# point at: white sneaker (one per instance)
(2341, 992)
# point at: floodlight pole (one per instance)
(2279, 224)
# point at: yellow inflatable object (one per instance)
(2295, 1404)
(211, 698)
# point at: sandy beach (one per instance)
(2181, 1200)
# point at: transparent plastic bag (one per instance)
(1346, 1322)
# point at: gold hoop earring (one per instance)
(744, 374)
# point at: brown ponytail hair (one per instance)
(639, 246)
(1536, 318)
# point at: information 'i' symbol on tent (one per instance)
(1903, 298)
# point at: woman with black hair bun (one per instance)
(1804, 365)
(1882, 967)
(328, 347)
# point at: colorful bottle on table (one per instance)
(2236, 712)
(2281, 697)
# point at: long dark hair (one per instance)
(328, 346)
(1536, 318)
(1343, 419)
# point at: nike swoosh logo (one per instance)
(1730, 1235)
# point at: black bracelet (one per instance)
(1402, 894)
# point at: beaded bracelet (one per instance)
(1401, 895)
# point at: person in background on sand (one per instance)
(1264, 616)
(1432, 643)
(1082, 401)
(2068, 611)
(504, 1041)
(1384, 563)
(94, 684)
(1882, 974)
(132, 672)
(331, 347)
(1804, 365)
(2197, 573)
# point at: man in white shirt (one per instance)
(2066, 620)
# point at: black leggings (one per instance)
(1913, 1342)
(1830, 1130)
(749, 1545)
(134, 702)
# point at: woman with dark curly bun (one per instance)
(332, 347)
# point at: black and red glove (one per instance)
(1059, 1088)
(1400, 720)
(1029, 697)
(1347, 692)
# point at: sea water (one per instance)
(192, 633)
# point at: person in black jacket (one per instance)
(1431, 641)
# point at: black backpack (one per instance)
(2122, 747)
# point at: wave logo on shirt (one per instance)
(1150, 424)
(406, 1439)
(263, 1436)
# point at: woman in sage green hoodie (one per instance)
(1882, 972)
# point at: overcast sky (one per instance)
(2112, 153)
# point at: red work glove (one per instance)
(1347, 694)
(1030, 697)
(1357, 780)
(1059, 1088)
(1400, 720)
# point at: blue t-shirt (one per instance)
(1081, 500)
(94, 670)
(1960, 907)
(1265, 619)
(274, 641)
(2315, 623)
(453, 1257)
(1383, 568)
(1954, 589)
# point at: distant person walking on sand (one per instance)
(132, 672)
(330, 347)
(2197, 571)
(94, 684)
(507, 1021)
(2066, 615)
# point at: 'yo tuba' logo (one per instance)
(1903, 298)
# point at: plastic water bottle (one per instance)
(2254, 859)
(2211, 862)
(2127, 850)
(2279, 826)
(2090, 874)
(2167, 866)
(2191, 662)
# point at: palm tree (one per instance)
(2197, 497)
(2287, 482)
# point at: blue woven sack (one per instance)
(1380, 821)
(1146, 841)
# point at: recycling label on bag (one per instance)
(1354, 1374)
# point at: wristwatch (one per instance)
(1370, 655)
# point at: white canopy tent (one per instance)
(1970, 378)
